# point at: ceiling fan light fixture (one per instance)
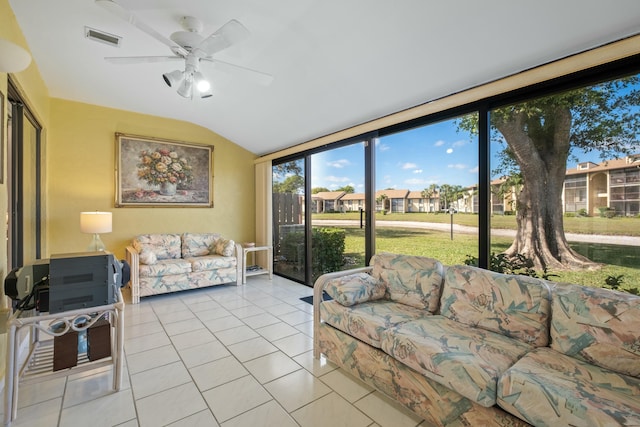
(186, 88)
(173, 78)
(202, 84)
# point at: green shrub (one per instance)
(582, 212)
(327, 250)
(606, 212)
(517, 264)
(569, 214)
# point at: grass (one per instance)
(618, 226)
(617, 260)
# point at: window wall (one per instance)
(574, 154)
(428, 174)
(510, 173)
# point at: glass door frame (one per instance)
(369, 141)
(20, 114)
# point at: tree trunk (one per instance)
(543, 161)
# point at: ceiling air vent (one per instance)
(102, 37)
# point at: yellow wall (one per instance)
(78, 142)
(81, 177)
(32, 87)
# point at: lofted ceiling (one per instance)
(335, 63)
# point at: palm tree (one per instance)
(429, 192)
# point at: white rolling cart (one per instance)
(38, 365)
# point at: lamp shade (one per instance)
(95, 222)
(13, 58)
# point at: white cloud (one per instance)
(416, 182)
(474, 170)
(439, 143)
(332, 178)
(449, 150)
(381, 146)
(457, 166)
(417, 171)
(460, 143)
(408, 166)
(342, 163)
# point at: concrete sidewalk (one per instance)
(572, 237)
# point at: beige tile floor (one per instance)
(223, 356)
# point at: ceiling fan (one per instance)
(192, 48)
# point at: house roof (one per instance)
(393, 194)
(415, 195)
(608, 165)
(328, 195)
(353, 196)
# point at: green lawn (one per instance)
(618, 260)
(618, 226)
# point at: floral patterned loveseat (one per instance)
(462, 346)
(162, 263)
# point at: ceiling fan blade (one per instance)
(230, 33)
(140, 59)
(129, 17)
(255, 75)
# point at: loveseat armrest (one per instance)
(239, 264)
(318, 289)
(133, 258)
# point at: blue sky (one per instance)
(434, 154)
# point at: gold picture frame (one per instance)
(153, 172)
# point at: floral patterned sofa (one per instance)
(162, 263)
(462, 346)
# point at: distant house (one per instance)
(417, 203)
(392, 200)
(326, 201)
(613, 184)
(351, 202)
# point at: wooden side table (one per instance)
(257, 270)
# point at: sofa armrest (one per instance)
(318, 289)
(133, 258)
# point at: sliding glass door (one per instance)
(289, 235)
(338, 209)
(24, 175)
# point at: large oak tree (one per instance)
(539, 136)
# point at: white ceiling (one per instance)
(336, 63)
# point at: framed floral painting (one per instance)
(157, 172)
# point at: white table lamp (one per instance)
(95, 223)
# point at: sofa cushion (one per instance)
(164, 246)
(224, 247)
(410, 279)
(366, 321)
(465, 359)
(598, 326)
(147, 256)
(211, 262)
(547, 388)
(512, 305)
(355, 288)
(165, 267)
(198, 244)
